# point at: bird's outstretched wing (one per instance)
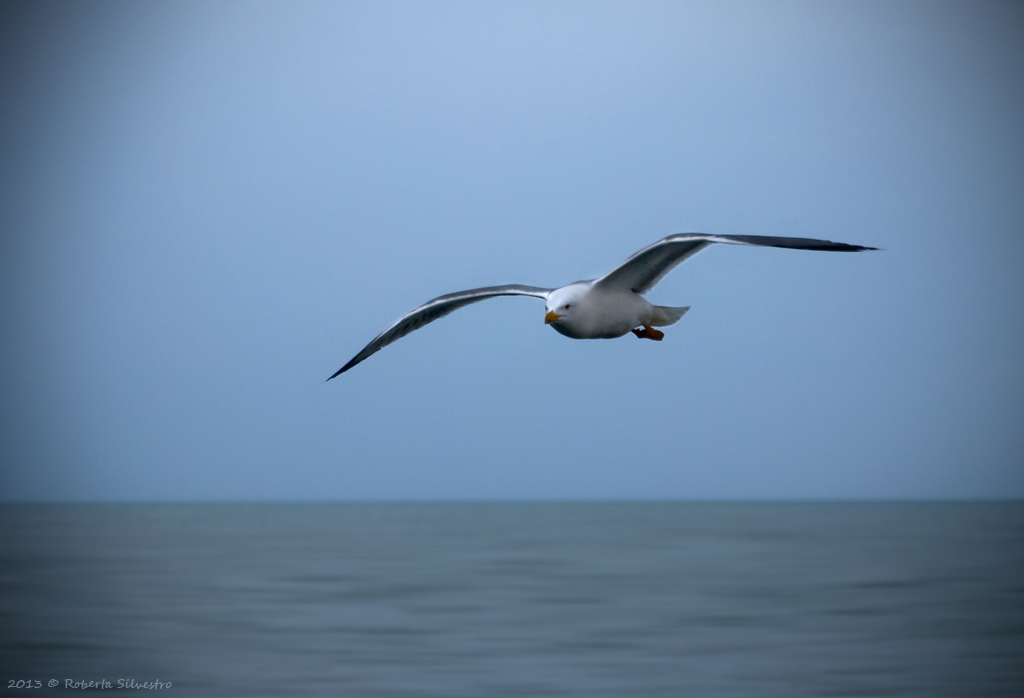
(438, 308)
(646, 268)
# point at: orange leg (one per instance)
(649, 332)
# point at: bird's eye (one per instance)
(566, 306)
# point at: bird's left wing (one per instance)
(646, 268)
(438, 308)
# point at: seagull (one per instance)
(604, 308)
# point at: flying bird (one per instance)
(604, 308)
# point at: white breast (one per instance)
(601, 314)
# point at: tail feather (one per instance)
(665, 316)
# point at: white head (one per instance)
(563, 308)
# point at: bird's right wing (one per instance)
(645, 268)
(438, 308)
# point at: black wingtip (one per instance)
(344, 368)
(799, 243)
(828, 245)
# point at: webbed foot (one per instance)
(649, 332)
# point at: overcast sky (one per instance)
(207, 208)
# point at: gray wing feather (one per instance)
(435, 309)
(647, 267)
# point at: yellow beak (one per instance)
(550, 317)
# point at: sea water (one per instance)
(515, 599)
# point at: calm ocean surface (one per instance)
(546, 599)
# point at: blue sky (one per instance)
(208, 208)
